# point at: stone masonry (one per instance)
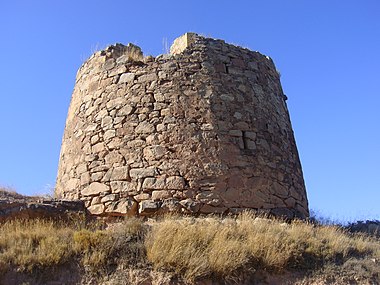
(204, 129)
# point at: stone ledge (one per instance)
(24, 207)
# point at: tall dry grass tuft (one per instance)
(195, 248)
(37, 243)
(32, 244)
(101, 249)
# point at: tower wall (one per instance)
(202, 130)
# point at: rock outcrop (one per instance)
(16, 206)
(204, 129)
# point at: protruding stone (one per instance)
(154, 152)
(147, 77)
(161, 195)
(121, 173)
(137, 173)
(72, 184)
(109, 64)
(95, 188)
(96, 209)
(141, 197)
(96, 200)
(209, 198)
(125, 111)
(81, 168)
(148, 207)
(122, 207)
(127, 78)
(280, 190)
(250, 135)
(119, 70)
(109, 198)
(235, 133)
(290, 202)
(109, 134)
(85, 178)
(98, 147)
(170, 205)
(123, 186)
(97, 176)
(175, 183)
(113, 157)
(144, 128)
(115, 103)
(149, 183)
(249, 144)
(190, 205)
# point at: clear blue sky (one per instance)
(327, 51)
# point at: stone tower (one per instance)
(204, 129)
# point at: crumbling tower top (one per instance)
(182, 42)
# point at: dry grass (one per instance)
(195, 248)
(36, 244)
(30, 244)
(190, 248)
